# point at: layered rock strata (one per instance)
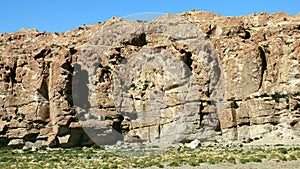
(258, 55)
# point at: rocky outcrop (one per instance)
(258, 88)
(260, 58)
(36, 85)
(152, 73)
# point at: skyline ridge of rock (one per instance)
(259, 54)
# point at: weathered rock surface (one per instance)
(153, 84)
(258, 54)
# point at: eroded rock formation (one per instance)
(258, 54)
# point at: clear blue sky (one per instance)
(62, 15)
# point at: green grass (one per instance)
(244, 160)
(96, 157)
(261, 156)
(279, 145)
(283, 150)
(173, 164)
(292, 157)
(282, 158)
(254, 159)
(231, 160)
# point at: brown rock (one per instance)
(258, 54)
(3, 127)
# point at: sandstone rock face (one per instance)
(36, 73)
(146, 72)
(258, 56)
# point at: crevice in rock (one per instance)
(244, 34)
(116, 57)
(9, 76)
(159, 130)
(43, 90)
(72, 50)
(247, 35)
(68, 90)
(187, 58)
(201, 115)
(175, 86)
(244, 123)
(4, 130)
(41, 122)
(294, 122)
(274, 123)
(234, 106)
(31, 137)
(211, 31)
(138, 40)
(104, 73)
(67, 66)
(207, 92)
(42, 53)
(117, 123)
(263, 65)
(297, 107)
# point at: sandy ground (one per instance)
(269, 140)
(264, 165)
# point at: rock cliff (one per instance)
(45, 101)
